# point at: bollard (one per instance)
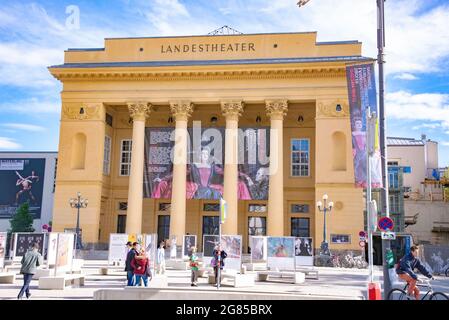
(374, 291)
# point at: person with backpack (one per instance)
(30, 261)
(128, 267)
(141, 267)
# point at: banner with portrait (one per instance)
(303, 251)
(281, 253)
(232, 245)
(259, 248)
(188, 242)
(3, 236)
(362, 94)
(117, 248)
(205, 163)
(64, 252)
(21, 180)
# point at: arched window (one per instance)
(339, 151)
(78, 151)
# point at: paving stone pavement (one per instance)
(332, 283)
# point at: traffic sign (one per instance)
(362, 234)
(388, 235)
(385, 224)
(362, 243)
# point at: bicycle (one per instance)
(401, 294)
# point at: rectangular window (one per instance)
(300, 151)
(300, 227)
(164, 206)
(340, 238)
(125, 157)
(121, 223)
(393, 178)
(163, 228)
(257, 208)
(299, 208)
(257, 226)
(211, 207)
(107, 155)
(395, 204)
(123, 206)
(210, 225)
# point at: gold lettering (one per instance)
(207, 47)
(230, 47)
(200, 48)
(222, 47)
(169, 49)
(162, 49)
(243, 46)
(214, 47)
(177, 49)
(251, 47)
(237, 46)
(193, 47)
(185, 48)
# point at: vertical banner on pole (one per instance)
(362, 94)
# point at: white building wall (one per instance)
(432, 154)
(48, 192)
(410, 156)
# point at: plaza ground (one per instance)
(333, 283)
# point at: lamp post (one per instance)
(324, 207)
(78, 203)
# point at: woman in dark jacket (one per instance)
(223, 256)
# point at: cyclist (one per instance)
(405, 268)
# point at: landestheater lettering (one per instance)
(209, 47)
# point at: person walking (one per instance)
(160, 261)
(128, 267)
(193, 258)
(30, 261)
(141, 267)
(218, 264)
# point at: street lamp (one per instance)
(324, 207)
(78, 203)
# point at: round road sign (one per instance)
(362, 243)
(385, 224)
(362, 234)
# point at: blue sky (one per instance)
(34, 35)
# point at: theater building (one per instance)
(286, 92)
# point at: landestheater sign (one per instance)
(128, 107)
(209, 47)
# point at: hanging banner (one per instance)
(362, 94)
(205, 163)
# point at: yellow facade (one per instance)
(254, 69)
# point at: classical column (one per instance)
(138, 111)
(231, 110)
(181, 111)
(276, 110)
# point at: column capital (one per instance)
(139, 110)
(276, 109)
(232, 109)
(181, 110)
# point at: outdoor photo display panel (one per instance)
(150, 241)
(205, 169)
(303, 251)
(64, 252)
(188, 242)
(52, 247)
(24, 241)
(117, 248)
(209, 243)
(21, 180)
(281, 253)
(258, 248)
(232, 245)
(3, 236)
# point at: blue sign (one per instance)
(407, 244)
(385, 224)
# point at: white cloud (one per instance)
(8, 144)
(445, 143)
(24, 127)
(406, 76)
(31, 106)
(433, 107)
(427, 126)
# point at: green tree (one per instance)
(22, 221)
